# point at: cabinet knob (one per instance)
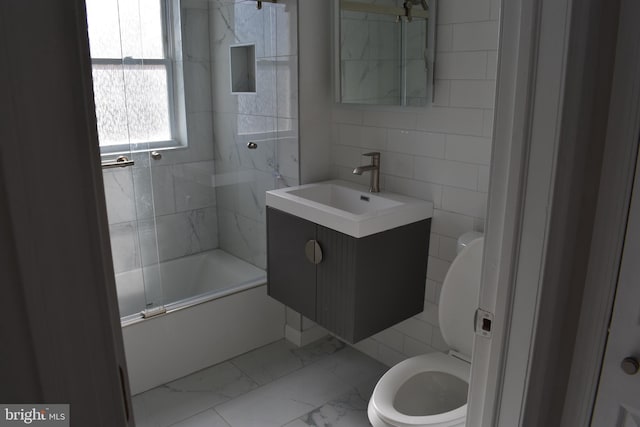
(313, 251)
(630, 365)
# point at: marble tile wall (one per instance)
(370, 57)
(440, 153)
(165, 209)
(268, 117)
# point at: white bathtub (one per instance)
(219, 308)
(184, 281)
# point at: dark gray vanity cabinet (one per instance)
(353, 287)
(291, 277)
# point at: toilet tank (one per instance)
(466, 238)
(459, 298)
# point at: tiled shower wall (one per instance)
(268, 117)
(174, 193)
(440, 153)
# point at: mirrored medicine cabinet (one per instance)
(384, 51)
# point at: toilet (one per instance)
(431, 389)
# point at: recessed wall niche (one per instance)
(243, 68)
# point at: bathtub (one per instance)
(217, 308)
(184, 282)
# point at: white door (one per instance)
(618, 398)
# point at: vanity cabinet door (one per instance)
(368, 284)
(336, 282)
(291, 277)
(391, 277)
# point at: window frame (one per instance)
(168, 61)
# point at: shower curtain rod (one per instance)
(354, 6)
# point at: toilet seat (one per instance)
(382, 400)
(436, 384)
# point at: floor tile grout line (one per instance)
(254, 380)
(334, 399)
(303, 365)
(223, 418)
(259, 386)
(190, 416)
(306, 413)
(210, 408)
(351, 388)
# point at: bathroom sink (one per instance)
(349, 208)
(344, 198)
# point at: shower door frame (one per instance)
(150, 275)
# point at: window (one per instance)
(132, 74)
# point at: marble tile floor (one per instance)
(324, 384)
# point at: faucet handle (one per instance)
(375, 157)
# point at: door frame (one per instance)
(619, 169)
(551, 134)
(60, 316)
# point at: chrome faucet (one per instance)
(374, 168)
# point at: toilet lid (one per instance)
(389, 388)
(459, 298)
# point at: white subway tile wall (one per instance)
(441, 153)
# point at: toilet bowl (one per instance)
(431, 389)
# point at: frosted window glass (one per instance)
(111, 111)
(104, 34)
(125, 28)
(148, 103)
(132, 104)
(141, 28)
(151, 28)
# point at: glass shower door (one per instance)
(130, 116)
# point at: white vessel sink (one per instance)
(349, 208)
